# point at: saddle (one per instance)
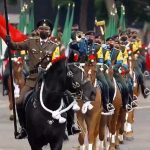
(28, 96)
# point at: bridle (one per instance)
(76, 85)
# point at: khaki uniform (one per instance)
(36, 52)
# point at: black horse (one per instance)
(43, 123)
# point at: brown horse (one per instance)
(130, 117)
(89, 122)
(19, 81)
(115, 122)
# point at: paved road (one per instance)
(141, 128)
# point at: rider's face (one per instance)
(44, 32)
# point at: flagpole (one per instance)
(10, 67)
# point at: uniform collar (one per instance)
(41, 40)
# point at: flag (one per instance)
(16, 35)
(55, 28)
(0, 52)
(111, 28)
(30, 25)
(22, 20)
(71, 23)
(122, 25)
(12, 2)
(66, 26)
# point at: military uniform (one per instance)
(139, 66)
(104, 61)
(117, 62)
(36, 53)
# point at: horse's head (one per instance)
(90, 70)
(18, 64)
(80, 81)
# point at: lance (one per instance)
(10, 67)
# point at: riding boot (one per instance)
(107, 107)
(124, 92)
(5, 81)
(71, 127)
(111, 89)
(21, 117)
(145, 91)
(132, 97)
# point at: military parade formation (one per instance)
(60, 82)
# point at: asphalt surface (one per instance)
(141, 129)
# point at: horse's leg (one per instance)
(56, 144)
(34, 145)
(95, 145)
(112, 129)
(102, 126)
(128, 126)
(91, 120)
(11, 117)
(82, 134)
(120, 127)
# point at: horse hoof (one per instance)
(117, 147)
(129, 138)
(11, 117)
(121, 142)
(112, 147)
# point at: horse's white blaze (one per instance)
(115, 85)
(16, 90)
(113, 138)
(95, 83)
(82, 147)
(90, 72)
(90, 146)
(120, 136)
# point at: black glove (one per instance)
(8, 40)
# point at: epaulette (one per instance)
(53, 42)
(34, 37)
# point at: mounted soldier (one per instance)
(38, 47)
(95, 49)
(117, 61)
(139, 64)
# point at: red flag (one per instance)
(16, 35)
(148, 60)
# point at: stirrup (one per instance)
(134, 103)
(148, 91)
(134, 97)
(129, 108)
(110, 107)
(146, 73)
